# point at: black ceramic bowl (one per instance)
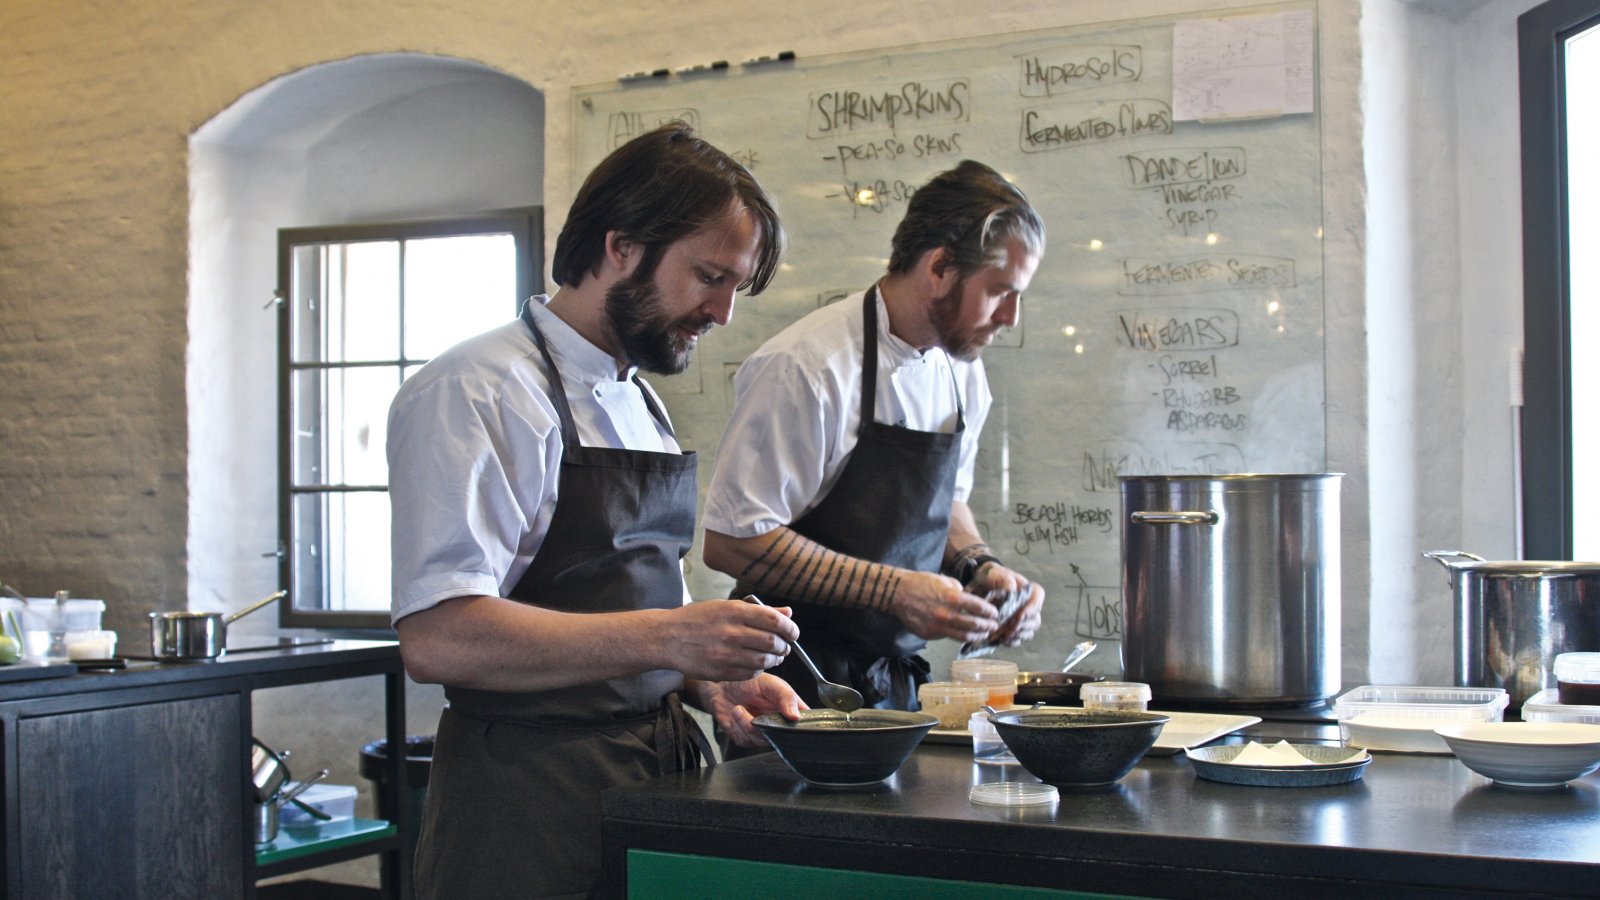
(1054, 688)
(826, 747)
(1078, 746)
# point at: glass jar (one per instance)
(987, 747)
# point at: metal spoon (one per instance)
(1077, 654)
(841, 697)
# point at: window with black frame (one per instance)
(366, 306)
(1559, 50)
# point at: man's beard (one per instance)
(945, 313)
(645, 336)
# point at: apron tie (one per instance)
(680, 744)
(895, 678)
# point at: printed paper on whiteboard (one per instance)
(1242, 67)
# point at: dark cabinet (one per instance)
(136, 784)
(136, 801)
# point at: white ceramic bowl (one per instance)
(1526, 754)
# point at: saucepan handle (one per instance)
(229, 620)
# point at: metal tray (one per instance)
(1335, 767)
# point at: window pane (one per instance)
(1583, 184)
(457, 287)
(365, 324)
(345, 302)
(356, 529)
(341, 419)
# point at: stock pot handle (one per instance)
(1440, 556)
(1175, 518)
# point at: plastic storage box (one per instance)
(337, 800)
(1124, 695)
(998, 675)
(1402, 719)
(1578, 678)
(1545, 706)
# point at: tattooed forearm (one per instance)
(795, 568)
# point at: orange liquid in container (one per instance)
(1000, 695)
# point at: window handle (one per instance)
(278, 553)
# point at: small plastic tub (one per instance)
(1578, 678)
(987, 747)
(997, 675)
(953, 703)
(1128, 696)
(1402, 718)
(1546, 706)
(337, 801)
(97, 644)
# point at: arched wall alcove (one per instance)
(367, 139)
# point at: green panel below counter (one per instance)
(653, 875)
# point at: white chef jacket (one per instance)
(797, 408)
(474, 451)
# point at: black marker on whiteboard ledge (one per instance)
(702, 67)
(785, 56)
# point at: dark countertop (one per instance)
(260, 661)
(1416, 825)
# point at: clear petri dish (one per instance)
(1014, 793)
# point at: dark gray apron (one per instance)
(890, 505)
(513, 803)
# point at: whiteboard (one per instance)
(1176, 322)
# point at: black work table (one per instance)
(1415, 825)
(135, 782)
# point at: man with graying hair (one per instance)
(541, 509)
(843, 475)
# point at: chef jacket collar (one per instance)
(895, 349)
(579, 360)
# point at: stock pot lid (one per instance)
(1528, 567)
(1238, 481)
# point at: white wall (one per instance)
(1443, 310)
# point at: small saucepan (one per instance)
(196, 635)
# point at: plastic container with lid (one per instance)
(1546, 706)
(997, 675)
(987, 746)
(47, 622)
(1121, 695)
(1402, 718)
(951, 702)
(338, 801)
(1578, 678)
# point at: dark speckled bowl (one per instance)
(1078, 746)
(826, 748)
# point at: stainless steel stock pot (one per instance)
(1230, 587)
